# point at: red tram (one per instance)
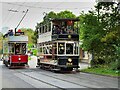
(15, 49)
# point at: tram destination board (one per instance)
(74, 37)
(19, 33)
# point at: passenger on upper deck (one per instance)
(70, 31)
(56, 29)
(10, 33)
(63, 30)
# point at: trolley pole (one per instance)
(21, 21)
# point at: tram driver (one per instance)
(17, 49)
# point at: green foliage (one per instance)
(97, 62)
(65, 14)
(100, 34)
(89, 28)
(49, 16)
(62, 14)
(35, 52)
(30, 33)
(115, 65)
(30, 45)
(102, 71)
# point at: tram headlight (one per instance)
(69, 59)
(19, 59)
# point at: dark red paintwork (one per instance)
(19, 58)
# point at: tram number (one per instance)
(68, 64)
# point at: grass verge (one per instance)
(102, 71)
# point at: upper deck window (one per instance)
(44, 28)
(65, 26)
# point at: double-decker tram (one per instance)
(58, 45)
(15, 49)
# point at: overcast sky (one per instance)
(36, 9)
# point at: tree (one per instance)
(30, 33)
(35, 36)
(65, 14)
(49, 16)
(99, 32)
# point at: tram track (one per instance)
(53, 76)
(65, 80)
(61, 77)
(92, 81)
(59, 88)
(56, 86)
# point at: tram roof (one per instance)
(65, 19)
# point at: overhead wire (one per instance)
(42, 7)
(12, 15)
(5, 19)
(37, 6)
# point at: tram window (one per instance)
(76, 27)
(45, 28)
(50, 50)
(45, 50)
(23, 48)
(54, 48)
(40, 30)
(69, 48)
(49, 25)
(54, 29)
(11, 49)
(61, 48)
(17, 49)
(40, 50)
(75, 48)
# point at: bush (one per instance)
(35, 52)
(94, 63)
(97, 62)
(115, 65)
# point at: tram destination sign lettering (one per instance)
(19, 33)
(74, 37)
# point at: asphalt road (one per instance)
(38, 78)
(10, 80)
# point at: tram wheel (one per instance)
(42, 66)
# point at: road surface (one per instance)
(37, 78)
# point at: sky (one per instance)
(12, 11)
